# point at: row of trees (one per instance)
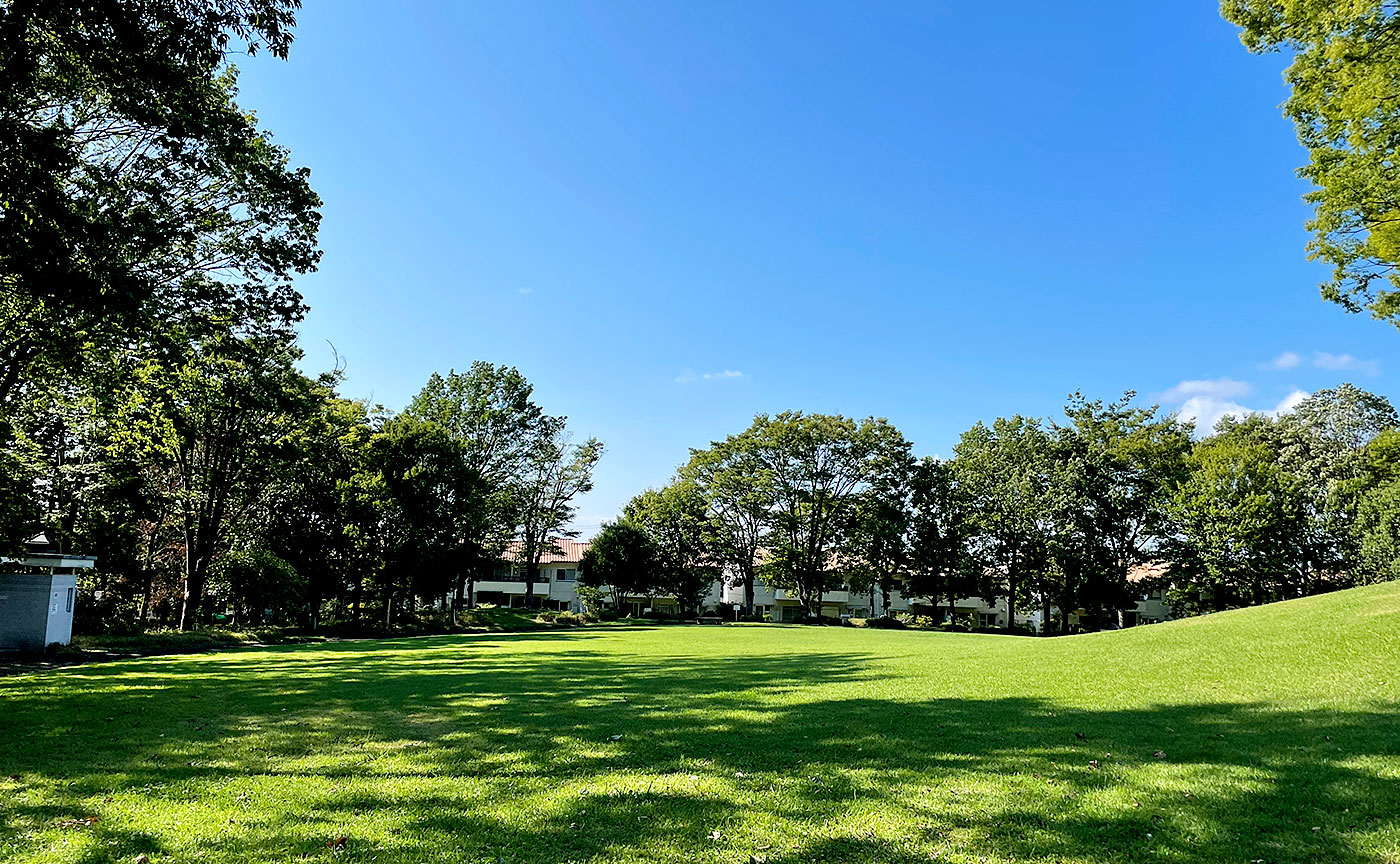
(152, 412)
(226, 470)
(1049, 514)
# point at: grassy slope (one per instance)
(1279, 729)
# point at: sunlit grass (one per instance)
(1270, 734)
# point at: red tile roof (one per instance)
(1148, 572)
(570, 552)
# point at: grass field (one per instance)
(1269, 734)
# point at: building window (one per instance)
(69, 604)
(567, 575)
(988, 619)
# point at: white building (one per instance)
(556, 585)
(778, 604)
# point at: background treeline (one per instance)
(1049, 515)
(152, 412)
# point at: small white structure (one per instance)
(36, 605)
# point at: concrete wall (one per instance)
(36, 610)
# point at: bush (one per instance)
(885, 622)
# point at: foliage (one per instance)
(1345, 62)
(263, 588)
(135, 189)
(555, 472)
(739, 499)
(1004, 470)
(674, 520)
(623, 559)
(817, 464)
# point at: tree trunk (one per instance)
(748, 592)
(1011, 584)
(885, 596)
(529, 586)
(193, 597)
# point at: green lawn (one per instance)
(1270, 735)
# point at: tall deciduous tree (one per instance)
(489, 411)
(674, 519)
(223, 418)
(738, 492)
(556, 472)
(1236, 515)
(622, 559)
(877, 541)
(1004, 470)
(1113, 471)
(941, 564)
(818, 465)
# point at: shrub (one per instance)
(885, 622)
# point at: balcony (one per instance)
(842, 596)
(511, 586)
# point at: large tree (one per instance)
(556, 472)
(1237, 519)
(819, 464)
(1114, 466)
(941, 527)
(1345, 80)
(1004, 470)
(738, 492)
(222, 420)
(489, 412)
(621, 559)
(674, 518)
(133, 187)
(877, 541)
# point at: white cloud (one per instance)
(1206, 411)
(526, 291)
(1323, 360)
(1217, 389)
(688, 376)
(1344, 363)
(1290, 402)
(1206, 403)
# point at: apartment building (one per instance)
(556, 587)
(779, 604)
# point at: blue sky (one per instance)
(672, 217)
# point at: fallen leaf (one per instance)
(615, 738)
(714, 835)
(143, 858)
(338, 843)
(1158, 754)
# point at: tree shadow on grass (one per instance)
(419, 754)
